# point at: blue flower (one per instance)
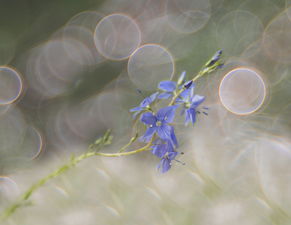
(169, 87)
(165, 151)
(144, 105)
(159, 124)
(190, 103)
(165, 163)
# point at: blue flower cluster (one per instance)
(160, 132)
(159, 124)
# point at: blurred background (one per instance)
(70, 70)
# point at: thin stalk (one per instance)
(74, 160)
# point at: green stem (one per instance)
(133, 139)
(23, 198)
(200, 74)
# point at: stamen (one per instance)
(180, 162)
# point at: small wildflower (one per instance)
(166, 152)
(144, 105)
(165, 163)
(159, 124)
(190, 103)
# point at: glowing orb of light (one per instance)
(242, 91)
(150, 64)
(10, 85)
(117, 36)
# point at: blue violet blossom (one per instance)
(159, 124)
(166, 152)
(144, 105)
(190, 103)
(169, 87)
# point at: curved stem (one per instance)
(23, 198)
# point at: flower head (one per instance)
(144, 105)
(190, 103)
(159, 124)
(166, 152)
(165, 163)
(169, 87)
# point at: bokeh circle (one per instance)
(10, 85)
(117, 36)
(150, 64)
(242, 91)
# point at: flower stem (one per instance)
(200, 74)
(73, 161)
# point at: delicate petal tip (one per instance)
(192, 113)
(149, 100)
(148, 118)
(167, 85)
(159, 150)
(165, 95)
(148, 135)
(167, 114)
(172, 155)
(197, 100)
(136, 109)
(154, 96)
(187, 117)
(173, 137)
(164, 165)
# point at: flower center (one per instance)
(158, 123)
(187, 105)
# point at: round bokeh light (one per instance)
(11, 85)
(150, 64)
(117, 36)
(242, 91)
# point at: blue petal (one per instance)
(159, 150)
(164, 165)
(187, 116)
(164, 132)
(190, 116)
(148, 118)
(167, 114)
(167, 85)
(197, 100)
(185, 95)
(149, 100)
(136, 109)
(148, 134)
(172, 155)
(170, 146)
(193, 115)
(165, 95)
(173, 137)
